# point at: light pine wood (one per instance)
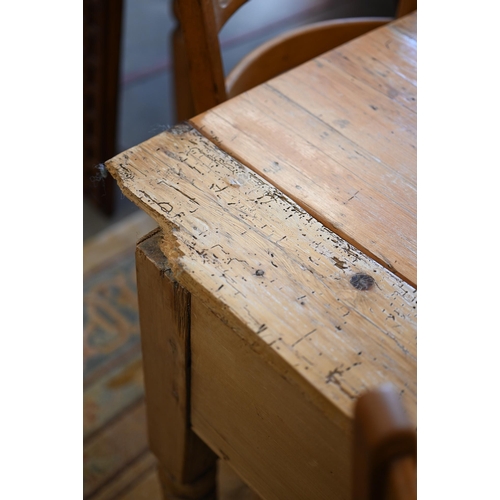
(276, 277)
(338, 135)
(186, 466)
(260, 420)
(280, 343)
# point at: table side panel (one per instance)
(253, 417)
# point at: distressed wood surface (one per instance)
(338, 135)
(276, 276)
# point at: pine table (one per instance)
(281, 282)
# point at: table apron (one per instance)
(251, 415)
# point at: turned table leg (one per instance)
(186, 466)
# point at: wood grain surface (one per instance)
(271, 272)
(338, 135)
(260, 422)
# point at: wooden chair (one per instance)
(200, 83)
(384, 448)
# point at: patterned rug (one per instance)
(111, 342)
(116, 453)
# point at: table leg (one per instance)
(186, 466)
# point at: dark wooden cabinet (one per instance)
(102, 26)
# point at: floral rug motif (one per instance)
(112, 370)
(110, 317)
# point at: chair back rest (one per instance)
(200, 22)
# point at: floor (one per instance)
(146, 92)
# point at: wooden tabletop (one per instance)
(299, 294)
(338, 135)
(295, 280)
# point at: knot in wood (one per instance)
(362, 281)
